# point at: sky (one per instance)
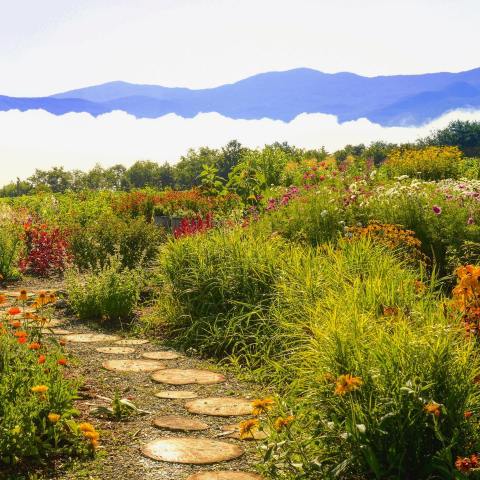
(55, 45)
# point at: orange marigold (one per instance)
(39, 389)
(433, 408)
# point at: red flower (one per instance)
(14, 311)
(41, 359)
(21, 339)
(62, 361)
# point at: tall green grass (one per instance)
(299, 317)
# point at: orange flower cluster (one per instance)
(466, 297)
(467, 464)
(392, 236)
(433, 408)
(347, 383)
(90, 434)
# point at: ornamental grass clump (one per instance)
(356, 340)
(217, 287)
(105, 293)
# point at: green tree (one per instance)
(144, 173)
(462, 134)
(56, 179)
(188, 169)
(230, 156)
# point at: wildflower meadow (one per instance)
(326, 306)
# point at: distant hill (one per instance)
(387, 100)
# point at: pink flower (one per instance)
(470, 221)
(437, 210)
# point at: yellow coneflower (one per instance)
(282, 422)
(262, 405)
(41, 299)
(23, 296)
(248, 427)
(347, 383)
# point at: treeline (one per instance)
(217, 164)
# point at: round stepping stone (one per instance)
(194, 451)
(161, 355)
(235, 433)
(177, 376)
(220, 406)
(176, 394)
(90, 337)
(115, 350)
(184, 424)
(224, 475)
(131, 341)
(48, 324)
(56, 331)
(132, 365)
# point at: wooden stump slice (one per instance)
(193, 451)
(161, 355)
(115, 350)
(233, 431)
(220, 406)
(56, 331)
(47, 324)
(177, 376)
(132, 341)
(184, 424)
(132, 365)
(91, 338)
(224, 475)
(176, 394)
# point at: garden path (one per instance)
(187, 424)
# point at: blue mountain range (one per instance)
(397, 100)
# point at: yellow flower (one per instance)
(347, 383)
(282, 422)
(39, 389)
(248, 427)
(53, 417)
(262, 405)
(23, 296)
(86, 427)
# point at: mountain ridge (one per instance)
(406, 100)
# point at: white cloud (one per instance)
(37, 139)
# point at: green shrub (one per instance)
(10, 250)
(136, 240)
(107, 293)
